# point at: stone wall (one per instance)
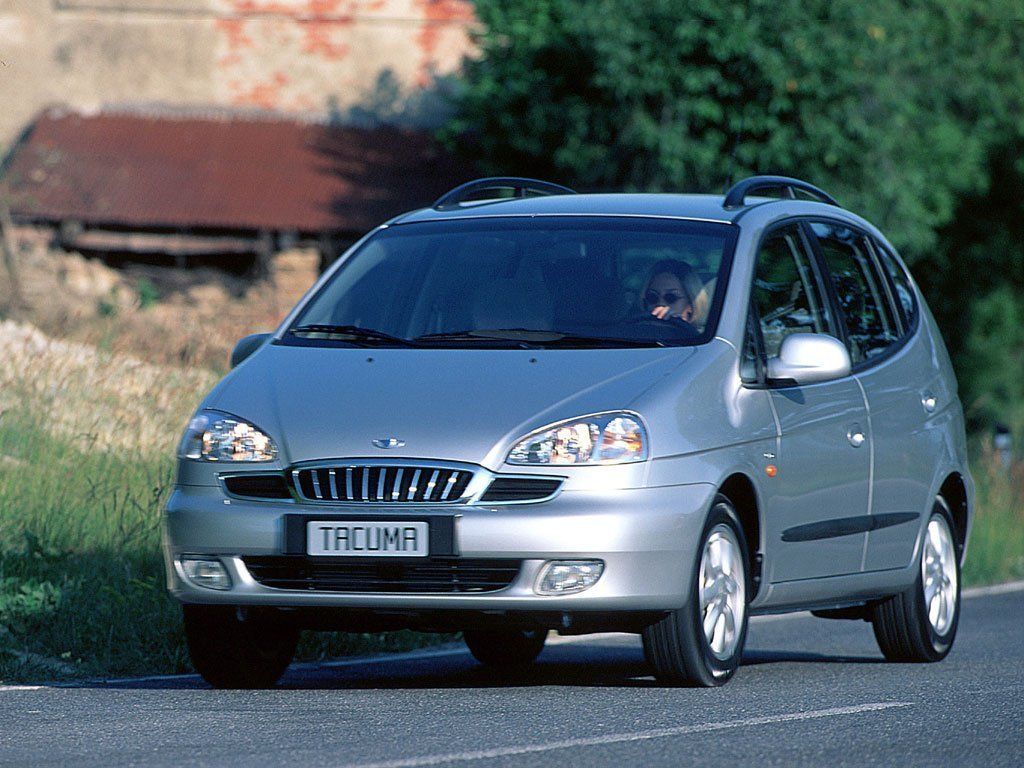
(358, 60)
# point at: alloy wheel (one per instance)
(722, 591)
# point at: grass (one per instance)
(995, 551)
(86, 440)
(81, 588)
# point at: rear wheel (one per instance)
(237, 648)
(505, 649)
(701, 643)
(919, 625)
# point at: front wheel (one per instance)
(701, 643)
(505, 649)
(919, 625)
(238, 648)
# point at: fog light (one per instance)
(206, 572)
(564, 577)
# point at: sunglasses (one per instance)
(654, 299)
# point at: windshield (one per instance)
(566, 282)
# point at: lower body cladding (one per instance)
(627, 557)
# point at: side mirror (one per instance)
(247, 345)
(807, 358)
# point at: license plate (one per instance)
(343, 538)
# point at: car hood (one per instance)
(452, 404)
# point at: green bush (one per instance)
(149, 294)
(992, 359)
(975, 285)
(995, 552)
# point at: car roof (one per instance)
(677, 206)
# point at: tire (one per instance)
(677, 647)
(909, 629)
(236, 648)
(505, 649)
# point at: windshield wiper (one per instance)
(572, 341)
(352, 333)
(523, 338)
(537, 338)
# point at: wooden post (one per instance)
(325, 249)
(330, 247)
(263, 267)
(16, 300)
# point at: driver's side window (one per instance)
(786, 292)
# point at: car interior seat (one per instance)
(512, 303)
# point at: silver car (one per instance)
(524, 409)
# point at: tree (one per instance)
(974, 282)
(890, 106)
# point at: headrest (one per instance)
(583, 297)
(507, 303)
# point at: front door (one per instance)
(816, 508)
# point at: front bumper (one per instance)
(647, 539)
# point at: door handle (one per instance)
(929, 402)
(855, 435)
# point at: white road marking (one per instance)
(995, 589)
(619, 738)
(767, 618)
(4, 688)
(405, 656)
(361, 661)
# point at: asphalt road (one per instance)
(810, 692)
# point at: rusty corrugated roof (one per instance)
(211, 173)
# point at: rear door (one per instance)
(817, 503)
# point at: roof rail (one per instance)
(520, 188)
(736, 196)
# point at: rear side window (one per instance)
(906, 303)
(860, 290)
(785, 291)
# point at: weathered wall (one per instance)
(354, 58)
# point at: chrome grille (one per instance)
(382, 484)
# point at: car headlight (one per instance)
(213, 436)
(606, 438)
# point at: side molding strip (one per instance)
(846, 526)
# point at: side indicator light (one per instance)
(771, 470)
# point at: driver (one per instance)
(674, 290)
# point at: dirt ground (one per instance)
(163, 315)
